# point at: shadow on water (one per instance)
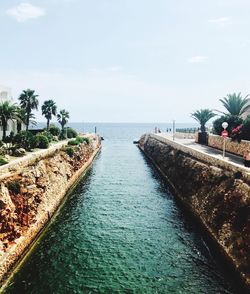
(121, 231)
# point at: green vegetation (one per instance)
(83, 139)
(71, 133)
(73, 142)
(246, 129)
(18, 144)
(8, 111)
(28, 102)
(41, 141)
(47, 134)
(3, 161)
(78, 140)
(54, 130)
(14, 187)
(232, 120)
(236, 109)
(203, 116)
(235, 104)
(49, 109)
(70, 151)
(25, 140)
(62, 118)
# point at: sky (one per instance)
(126, 60)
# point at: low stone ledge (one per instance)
(234, 147)
(22, 162)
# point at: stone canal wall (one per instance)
(216, 192)
(31, 190)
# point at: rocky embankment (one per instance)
(216, 193)
(30, 193)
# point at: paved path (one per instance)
(231, 158)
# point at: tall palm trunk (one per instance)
(27, 121)
(4, 124)
(47, 124)
(203, 129)
(63, 125)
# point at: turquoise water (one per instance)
(121, 232)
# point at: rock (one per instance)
(5, 197)
(19, 152)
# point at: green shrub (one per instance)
(47, 134)
(82, 139)
(42, 141)
(73, 142)
(232, 120)
(54, 130)
(14, 187)
(10, 138)
(71, 133)
(62, 135)
(246, 129)
(70, 151)
(87, 140)
(79, 139)
(24, 139)
(3, 161)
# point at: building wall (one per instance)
(5, 95)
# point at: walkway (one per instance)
(231, 158)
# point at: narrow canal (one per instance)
(120, 232)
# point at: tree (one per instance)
(62, 118)
(235, 104)
(8, 111)
(49, 109)
(203, 116)
(23, 119)
(28, 102)
(232, 120)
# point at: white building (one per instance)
(5, 95)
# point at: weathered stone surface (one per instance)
(5, 197)
(32, 192)
(19, 152)
(219, 197)
(231, 146)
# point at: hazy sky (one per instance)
(126, 60)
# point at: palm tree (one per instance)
(28, 102)
(49, 109)
(203, 116)
(8, 111)
(23, 119)
(235, 104)
(62, 118)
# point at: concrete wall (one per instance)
(215, 192)
(43, 180)
(5, 94)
